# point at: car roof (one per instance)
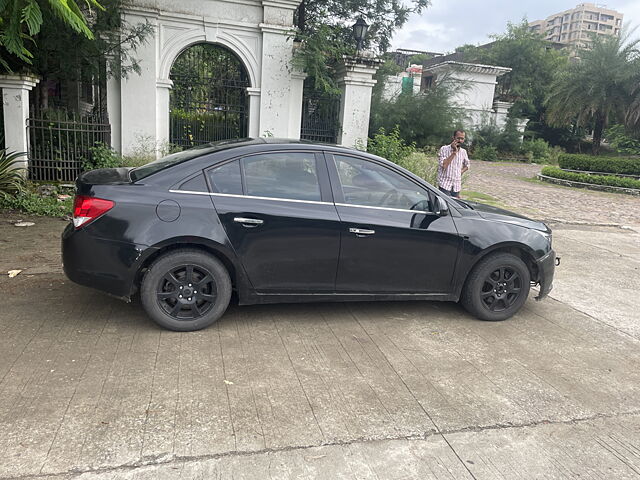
(197, 157)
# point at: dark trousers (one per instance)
(451, 193)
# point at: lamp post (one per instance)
(359, 32)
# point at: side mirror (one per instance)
(441, 207)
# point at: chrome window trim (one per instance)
(313, 202)
(381, 208)
(253, 197)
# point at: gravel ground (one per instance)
(506, 182)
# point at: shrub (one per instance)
(102, 156)
(11, 178)
(488, 153)
(538, 148)
(428, 118)
(390, 145)
(504, 140)
(608, 180)
(34, 204)
(621, 141)
(622, 165)
(422, 165)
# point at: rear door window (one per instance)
(287, 175)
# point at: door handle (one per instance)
(248, 222)
(361, 232)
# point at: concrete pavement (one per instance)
(91, 389)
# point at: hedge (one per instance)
(624, 165)
(607, 180)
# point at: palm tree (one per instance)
(597, 88)
(20, 20)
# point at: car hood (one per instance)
(505, 216)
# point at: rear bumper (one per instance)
(546, 269)
(99, 263)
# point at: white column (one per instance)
(355, 79)
(295, 104)
(277, 51)
(139, 95)
(254, 112)
(501, 112)
(162, 113)
(114, 112)
(15, 100)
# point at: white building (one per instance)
(474, 89)
(258, 35)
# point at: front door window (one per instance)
(368, 184)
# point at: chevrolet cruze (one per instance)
(289, 221)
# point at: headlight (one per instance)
(548, 236)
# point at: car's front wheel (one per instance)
(497, 287)
(186, 290)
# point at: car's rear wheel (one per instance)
(497, 287)
(186, 290)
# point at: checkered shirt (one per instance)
(451, 177)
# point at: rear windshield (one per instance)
(176, 158)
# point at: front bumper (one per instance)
(546, 268)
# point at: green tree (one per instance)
(21, 21)
(427, 118)
(324, 29)
(533, 63)
(598, 88)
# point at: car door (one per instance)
(277, 211)
(391, 239)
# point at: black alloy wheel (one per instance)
(186, 290)
(501, 288)
(497, 287)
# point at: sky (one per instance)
(447, 24)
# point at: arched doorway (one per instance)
(208, 101)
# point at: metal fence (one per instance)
(320, 117)
(60, 142)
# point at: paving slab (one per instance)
(90, 388)
(88, 382)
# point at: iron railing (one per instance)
(60, 142)
(209, 98)
(320, 117)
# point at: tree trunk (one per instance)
(598, 128)
(301, 16)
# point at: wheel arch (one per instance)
(520, 250)
(222, 253)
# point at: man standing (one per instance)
(453, 161)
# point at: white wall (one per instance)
(259, 33)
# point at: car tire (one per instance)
(186, 290)
(497, 287)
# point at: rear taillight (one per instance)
(87, 209)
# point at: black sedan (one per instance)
(289, 221)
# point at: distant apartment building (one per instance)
(576, 27)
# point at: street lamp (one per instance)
(360, 31)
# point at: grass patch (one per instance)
(479, 197)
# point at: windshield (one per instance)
(179, 157)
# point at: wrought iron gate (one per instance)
(320, 116)
(209, 96)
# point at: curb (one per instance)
(590, 186)
(606, 174)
